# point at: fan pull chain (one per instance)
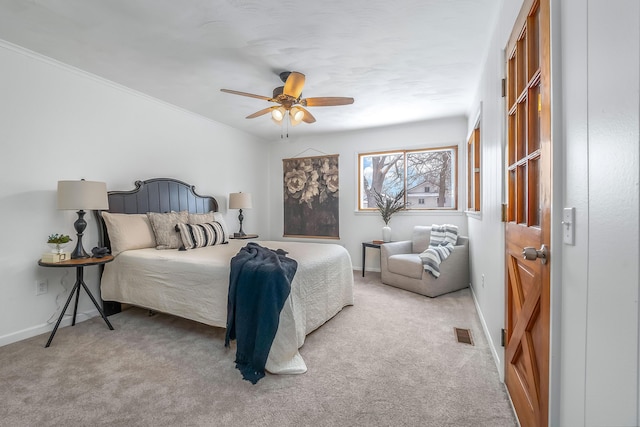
(282, 128)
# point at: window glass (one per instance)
(427, 176)
(430, 178)
(382, 172)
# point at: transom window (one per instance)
(427, 176)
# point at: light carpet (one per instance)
(390, 360)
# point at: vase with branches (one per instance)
(388, 205)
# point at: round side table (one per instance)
(79, 264)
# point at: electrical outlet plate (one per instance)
(41, 287)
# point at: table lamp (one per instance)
(81, 195)
(240, 201)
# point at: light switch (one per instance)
(568, 226)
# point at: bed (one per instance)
(194, 283)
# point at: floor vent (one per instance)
(463, 336)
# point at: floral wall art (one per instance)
(311, 203)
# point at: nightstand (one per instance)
(246, 236)
(79, 264)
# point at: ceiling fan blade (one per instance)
(260, 113)
(294, 84)
(326, 101)
(308, 118)
(251, 95)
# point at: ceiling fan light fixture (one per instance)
(296, 115)
(291, 103)
(277, 114)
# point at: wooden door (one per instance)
(528, 214)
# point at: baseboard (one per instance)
(45, 328)
(494, 351)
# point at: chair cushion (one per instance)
(420, 237)
(409, 265)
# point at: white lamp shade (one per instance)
(82, 195)
(277, 114)
(296, 115)
(240, 201)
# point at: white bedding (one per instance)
(194, 284)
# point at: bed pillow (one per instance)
(128, 231)
(220, 219)
(201, 235)
(164, 228)
(201, 218)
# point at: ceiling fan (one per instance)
(291, 103)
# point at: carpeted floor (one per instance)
(390, 360)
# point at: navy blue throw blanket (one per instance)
(259, 284)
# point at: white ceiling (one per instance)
(401, 61)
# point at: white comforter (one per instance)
(194, 284)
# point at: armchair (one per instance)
(401, 266)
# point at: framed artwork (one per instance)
(311, 197)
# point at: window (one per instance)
(473, 170)
(427, 176)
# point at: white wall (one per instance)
(571, 54)
(486, 231)
(357, 227)
(600, 81)
(59, 123)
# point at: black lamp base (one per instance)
(240, 233)
(79, 225)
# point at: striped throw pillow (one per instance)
(201, 235)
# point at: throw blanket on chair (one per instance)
(259, 285)
(443, 238)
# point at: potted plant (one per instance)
(58, 241)
(388, 205)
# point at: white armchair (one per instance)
(401, 266)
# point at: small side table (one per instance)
(79, 264)
(366, 245)
(246, 236)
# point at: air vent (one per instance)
(463, 336)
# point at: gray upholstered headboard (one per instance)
(155, 195)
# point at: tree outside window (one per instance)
(428, 177)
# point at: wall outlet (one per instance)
(482, 281)
(42, 287)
